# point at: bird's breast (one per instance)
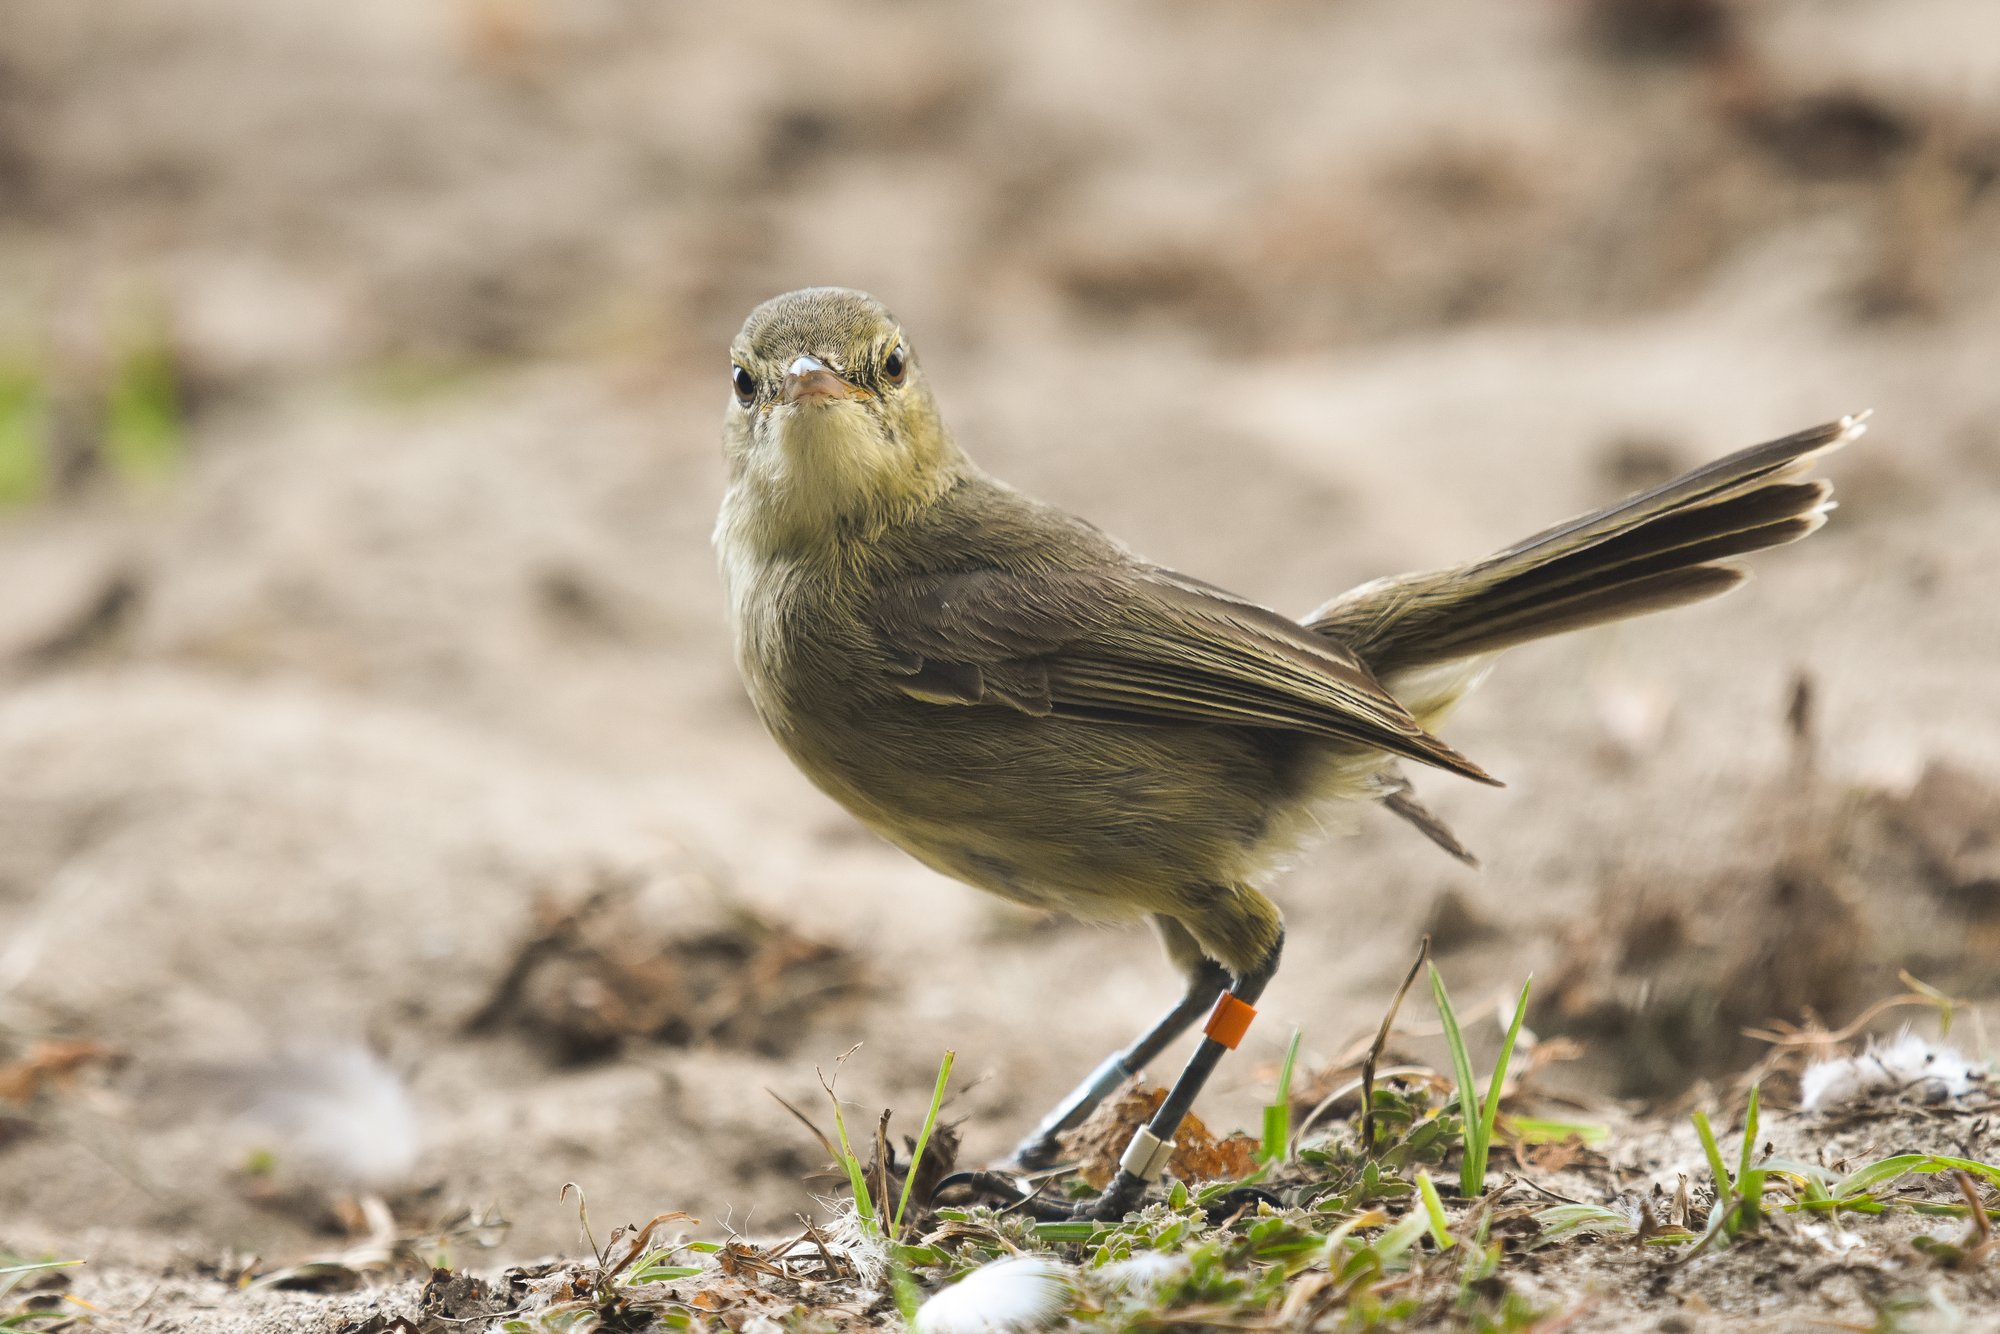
(802, 647)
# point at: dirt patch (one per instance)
(1834, 891)
(590, 977)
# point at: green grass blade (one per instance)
(1749, 1137)
(1379, 1253)
(923, 1139)
(1490, 1111)
(1434, 1210)
(1278, 1115)
(1888, 1169)
(1811, 1177)
(1471, 1174)
(863, 1204)
(1877, 1173)
(1565, 1220)
(908, 1297)
(1723, 1183)
(1079, 1231)
(1750, 1208)
(1400, 1238)
(12, 1276)
(1537, 1130)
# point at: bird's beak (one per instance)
(809, 380)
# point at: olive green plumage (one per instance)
(1022, 703)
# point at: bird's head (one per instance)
(831, 429)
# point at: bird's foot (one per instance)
(1003, 1191)
(1037, 1153)
(1125, 1195)
(1010, 1194)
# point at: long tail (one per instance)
(1663, 548)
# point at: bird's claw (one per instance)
(1035, 1155)
(1007, 1193)
(1123, 1196)
(1004, 1192)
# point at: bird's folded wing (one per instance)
(1140, 645)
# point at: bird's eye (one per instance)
(745, 386)
(896, 365)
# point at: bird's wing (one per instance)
(1139, 645)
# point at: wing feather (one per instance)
(1139, 645)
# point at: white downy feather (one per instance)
(1910, 1065)
(338, 1115)
(1011, 1296)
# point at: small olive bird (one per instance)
(1020, 702)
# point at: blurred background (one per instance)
(379, 812)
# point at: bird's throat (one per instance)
(828, 473)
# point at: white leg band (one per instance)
(1146, 1156)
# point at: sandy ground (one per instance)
(419, 642)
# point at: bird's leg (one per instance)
(1206, 980)
(1145, 1158)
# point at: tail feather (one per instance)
(1590, 580)
(1657, 592)
(1662, 548)
(1771, 517)
(1747, 469)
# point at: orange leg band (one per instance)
(1230, 1020)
